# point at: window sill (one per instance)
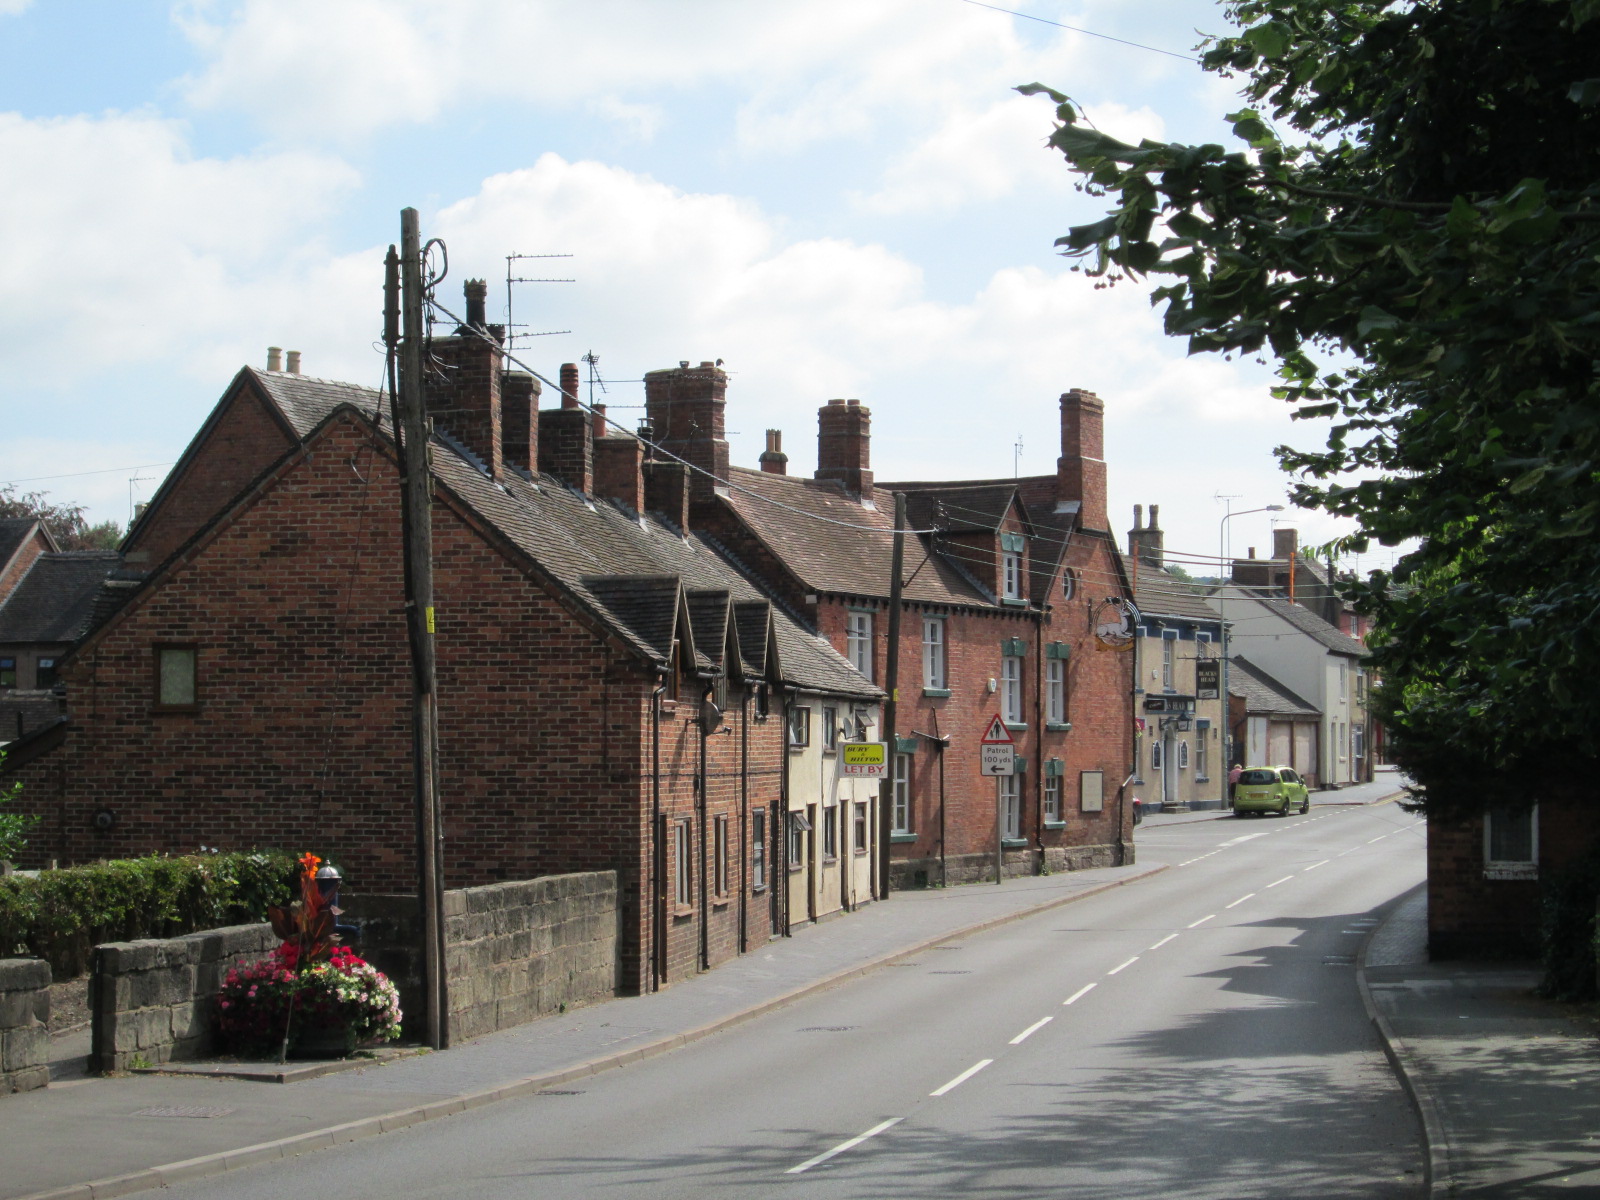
(936, 693)
(1058, 726)
(793, 749)
(897, 838)
(829, 860)
(1017, 726)
(1013, 843)
(796, 868)
(718, 905)
(682, 914)
(1013, 602)
(759, 889)
(861, 851)
(170, 710)
(1055, 824)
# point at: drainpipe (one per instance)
(1038, 736)
(658, 914)
(744, 821)
(780, 826)
(944, 869)
(701, 805)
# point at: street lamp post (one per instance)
(1222, 614)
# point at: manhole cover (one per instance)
(829, 1028)
(182, 1110)
(949, 972)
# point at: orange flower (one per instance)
(309, 863)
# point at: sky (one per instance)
(839, 198)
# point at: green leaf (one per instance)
(1270, 40)
(1585, 92)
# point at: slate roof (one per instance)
(603, 554)
(55, 600)
(14, 532)
(1263, 694)
(957, 507)
(851, 555)
(1307, 622)
(1158, 593)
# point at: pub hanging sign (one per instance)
(1207, 679)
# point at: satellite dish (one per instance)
(710, 716)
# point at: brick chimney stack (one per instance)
(773, 460)
(844, 455)
(1081, 469)
(686, 406)
(618, 465)
(464, 383)
(566, 437)
(1145, 541)
(519, 420)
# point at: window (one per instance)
(1155, 751)
(1169, 646)
(799, 826)
(902, 793)
(758, 850)
(1055, 691)
(860, 843)
(1011, 689)
(719, 856)
(858, 642)
(44, 673)
(1202, 645)
(830, 832)
(682, 859)
(799, 725)
(1052, 797)
(933, 659)
(1010, 805)
(8, 672)
(830, 728)
(1202, 732)
(175, 677)
(1011, 576)
(763, 701)
(1344, 670)
(1511, 843)
(1069, 584)
(1183, 755)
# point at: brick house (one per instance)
(612, 692)
(1004, 585)
(1179, 760)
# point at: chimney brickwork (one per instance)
(619, 470)
(773, 460)
(666, 491)
(1145, 541)
(519, 420)
(844, 446)
(1081, 470)
(566, 446)
(686, 406)
(463, 384)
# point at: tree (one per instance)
(64, 521)
(1411, 228)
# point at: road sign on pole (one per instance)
(999, 760)
(996, 734)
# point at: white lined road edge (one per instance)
(962, 1078)
(1034, 1028)
(1276, 882)
(1163, 941)
(1201, 921)
(1314, 866)
(1240, 900)
(1124, 966)
(843, 1146)
(1078, 995)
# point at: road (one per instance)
(1198, 1034)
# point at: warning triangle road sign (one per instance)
(997, 734)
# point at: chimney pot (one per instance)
(1155, 516)
(707, 365)
(599, 411)
(294, 362)
(477, 293)
(773, 460)
(274, 358)
(1138, 516)
(1252, 551)
(569, 385)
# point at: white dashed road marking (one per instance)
(962, 1078)
(1023, 1036)
(843, 1146)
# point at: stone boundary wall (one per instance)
(24, 1020)
(152, 998)
(519, 950)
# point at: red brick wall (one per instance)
(244, 442)
(26, 555)
(1470, 916)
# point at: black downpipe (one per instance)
(944, 868)
(780, 830)
(743, 874)
(658, 912)
(1038, 737)
(701, 805)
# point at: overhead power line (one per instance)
(1077, 29)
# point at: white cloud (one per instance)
(11, 8)
(137, 252)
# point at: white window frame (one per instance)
(1511, 868)
(758, 849)
(863, 829)
(934, 660)
(1011, 689)
(830, 833)
(1183, 754)
(683, 862)
(858, 641)
(1055, 691)
(1052, 797)
(1202, 731)
(1169, 658)
(799, 725)
(830, 728)
(1010, 575)
(902, 794)
(719, 856)
(798, 826)
(1010, 806)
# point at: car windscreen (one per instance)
(1259, 777)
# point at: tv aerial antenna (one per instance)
(513, 278)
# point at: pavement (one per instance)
(1493, 1071)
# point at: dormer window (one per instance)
(1011, 546)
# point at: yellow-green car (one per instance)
(1270, 789)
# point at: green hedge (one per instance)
(62, 915)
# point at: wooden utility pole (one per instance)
(891, 684)
(417, 516)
